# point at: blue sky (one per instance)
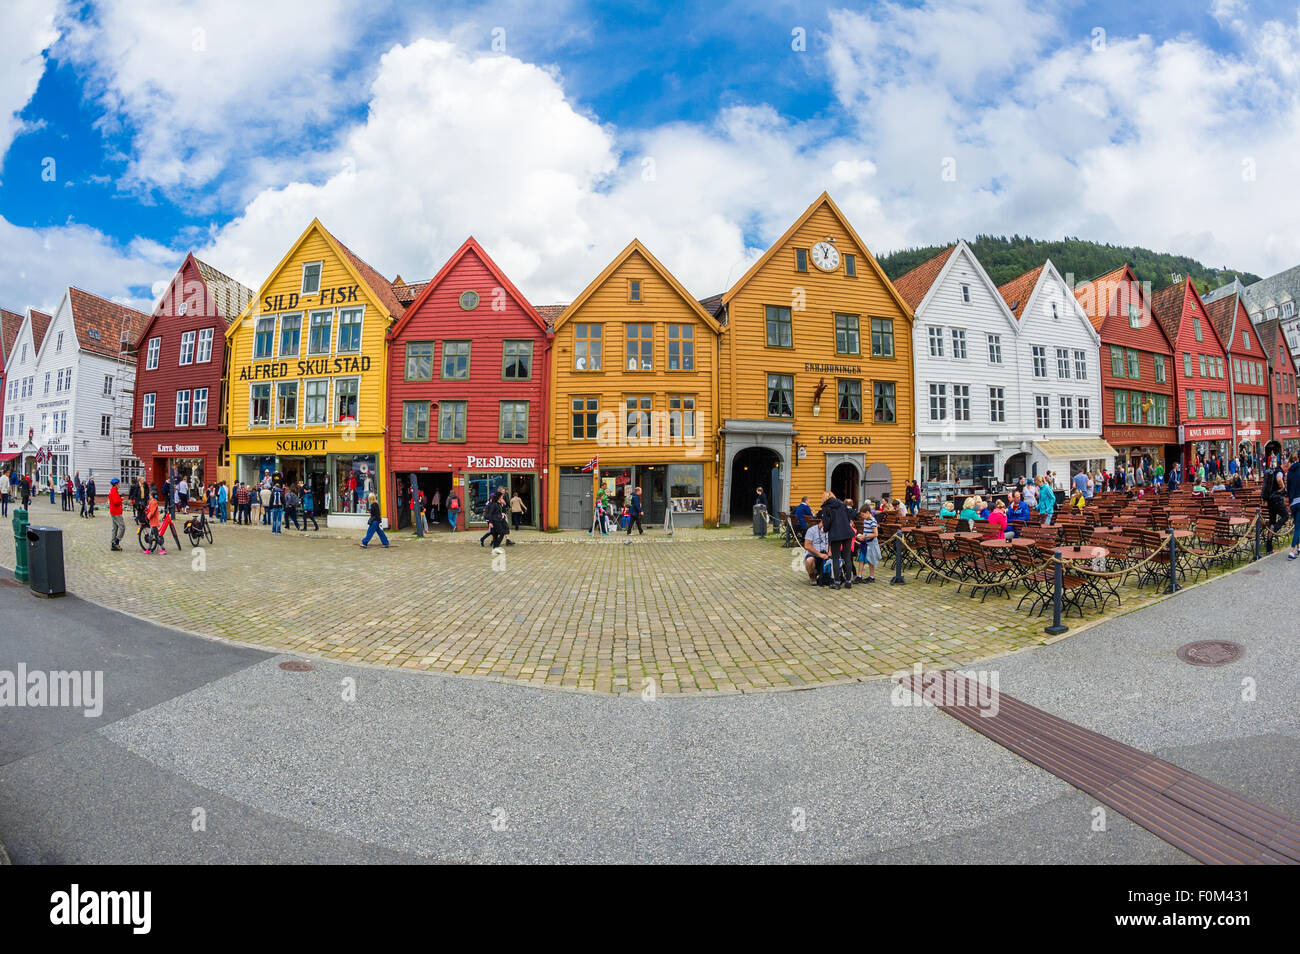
(557, 131)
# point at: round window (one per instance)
(469, 300)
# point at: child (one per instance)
(868, 542)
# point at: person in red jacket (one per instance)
(115, 511)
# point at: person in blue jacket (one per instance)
(1046, 501)
(634, 513)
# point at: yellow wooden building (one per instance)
(815, 372)
(306, 378)
(634, 386)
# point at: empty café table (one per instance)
(996, 544)
(1096, 588)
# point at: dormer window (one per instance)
(311, 278)
(94, 333)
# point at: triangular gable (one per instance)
(822, 200)
(636, 248)
(353, 265)
(101, 326)
(1048, 273)
(471, 245)
(39, 325)
(947, 260)
(229, 296)
(1098, 306)
(1017, 292)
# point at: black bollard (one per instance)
(898, 579)
(1257, 532)
(1058, 583)
(1173, 563)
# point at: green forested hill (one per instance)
(1005, 257)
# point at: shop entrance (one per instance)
(752, 468)
(654, 499)
(427, 484)
(1014, 468)
(844, 481)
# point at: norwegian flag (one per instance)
(591, 465)
(40, 454)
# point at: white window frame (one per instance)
(1042, 412)
(965, 293)
(329, 338)
(935, 333)
(958, 338)
(995, 348)
(279, 334)
(1084, 408)
(195, 404)
(204, 353)
(1038, 353)
(1080, 365)
(361, 330)
(334, 398)
(189, 341)
(297, 393)
(270, 404)
(1063, 364)
(961, 402)
(997, 405)
(155, 350)
(938, 401)
(307, 398)
(320, 278)
(1065, 402)
(148, 410)
(183, 401)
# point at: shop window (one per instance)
(884, 395)
(455, 360)
(637, 416)
(640, 347)
(147, 410)
(586, 347)
(151, 360)
(780, 329)
(290, 335)
(517, 361)
(419, 361)
(316, 402)
(415, 421)
(585, 411)
(205, 345)
(286, 404)
(311, 277)
(354, 478)
(846, 334)
(318, 340)
(681, 347)
(346, 395)
(263, 338)
(686, 488)
(849, 401)
(513, 427)
(200, 407)
(350, 330)
(451, 421)
(780, 395)
(681, 415)
(187, 347)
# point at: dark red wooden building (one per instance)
(1286, 418)
(1248, 381)
(1200, 374)
(176, 420)
(468, 379)
(1137, 377)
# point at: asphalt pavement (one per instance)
(367, 764)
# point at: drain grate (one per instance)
(1211, 652)
(297, 665)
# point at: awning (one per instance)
(6, 458)
(1076, 449)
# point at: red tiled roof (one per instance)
(378, 284)
(1167, 306)
(1094, 296)
(1017, 291)
(102, 326)
(550, 313)
(915, 284)
(40, 325)
(407, 292)
(10, 323)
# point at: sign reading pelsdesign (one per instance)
(355, 364)
(499, 462)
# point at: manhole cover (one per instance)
(1211, 652)
(297, 665)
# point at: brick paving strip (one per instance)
(1208, 822)
(703, 611)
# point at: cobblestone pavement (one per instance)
(705, 611)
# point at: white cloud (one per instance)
(28, 32)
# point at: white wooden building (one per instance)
(69, 390)
(970, 417)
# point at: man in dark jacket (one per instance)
(90, 495)
(839, 529)
(1293, 495)
(634, 512)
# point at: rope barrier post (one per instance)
(1173, 564)
(1058, 583)
(1256, 556)
(898, 579)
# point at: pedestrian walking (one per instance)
(276, 495)
(90, 495)
(291, 506)
(223, 501)
(517, 510)
(435, 502)
(490, 513)
(6, 488)
(634, 513)
(264, 498)
(839, 530)
(453, 510)
(308, 508)
(115, 514)
(375, 524)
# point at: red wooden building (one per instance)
(1200, 374)
(1286, 426)
(176, 418)
(1247, 374)
(1137, 380)
(468, 380)
(10, 324)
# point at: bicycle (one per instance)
(152, 538)
(198, 528)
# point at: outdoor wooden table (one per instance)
(1097, 588)
(996, 544)
(1178, 534)
(1238, 521)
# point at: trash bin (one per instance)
(45, 560)
(760, 520)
